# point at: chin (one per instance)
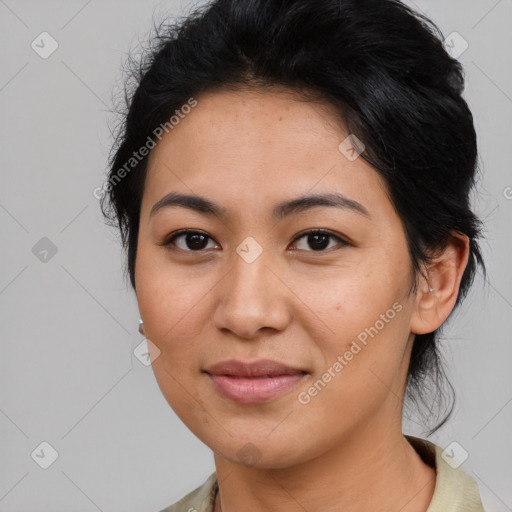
(258, 452)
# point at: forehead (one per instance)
(262, 143)
(264, 122)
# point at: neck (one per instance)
(370, 471)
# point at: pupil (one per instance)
(196, 241)
(316, 244)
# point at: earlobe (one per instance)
(438, 289)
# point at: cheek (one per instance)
(360, 370)
(173, 302)
(174, 307)
(174, 310)
(349, 300)
(367, 316)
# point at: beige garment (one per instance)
(455, 490)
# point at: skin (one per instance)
(344, 450)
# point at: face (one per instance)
(306, 301)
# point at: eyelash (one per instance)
(171, 238)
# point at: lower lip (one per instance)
(255, 390)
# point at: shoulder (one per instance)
(201, 499)
(455, 490)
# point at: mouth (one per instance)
(254, 382)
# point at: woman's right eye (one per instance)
(188, 240)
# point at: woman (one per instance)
(292, 186)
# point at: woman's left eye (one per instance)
(318, 240)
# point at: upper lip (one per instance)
(259, 368)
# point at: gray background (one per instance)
(68, 375)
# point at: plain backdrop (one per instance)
(68, 373)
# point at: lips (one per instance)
(253, 382)
(261, 368)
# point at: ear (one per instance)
(437, 293)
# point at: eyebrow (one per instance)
(279, 212)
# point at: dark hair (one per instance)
(379, 65)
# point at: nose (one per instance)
(251, 299)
